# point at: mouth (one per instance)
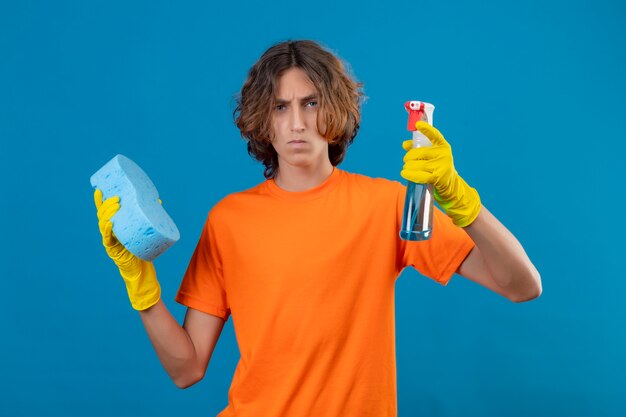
(297, 141)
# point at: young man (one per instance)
(306, 261)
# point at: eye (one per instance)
(280, 107)
(413, 105)
(311, 103)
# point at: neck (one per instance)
(295, 178)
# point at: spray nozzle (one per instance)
(416, 113)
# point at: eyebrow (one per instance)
(302, 100)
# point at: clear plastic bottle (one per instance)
(417, 219)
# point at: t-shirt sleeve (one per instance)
(202, 287)
(439, 256)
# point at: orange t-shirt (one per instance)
(309, 280)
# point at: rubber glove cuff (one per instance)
(143, 287)
(464, 207)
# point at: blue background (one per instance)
(530, 95)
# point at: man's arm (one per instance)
(498, 261)
(183, 351)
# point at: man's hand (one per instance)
(434, 165)
(143, 288)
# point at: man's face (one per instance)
(294, 122)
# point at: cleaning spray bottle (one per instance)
(417, 220)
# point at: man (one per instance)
(306, 261)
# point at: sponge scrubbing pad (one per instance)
(141, 224)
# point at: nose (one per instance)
(297, 119)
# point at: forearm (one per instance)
(504, 257)
(172, 344)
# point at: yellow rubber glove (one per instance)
(142, 285)
(434, 165)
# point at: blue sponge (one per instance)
(141, 224)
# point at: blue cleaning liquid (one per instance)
(417, 220)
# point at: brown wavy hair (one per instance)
(340, 99)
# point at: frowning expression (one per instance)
(294, 121)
